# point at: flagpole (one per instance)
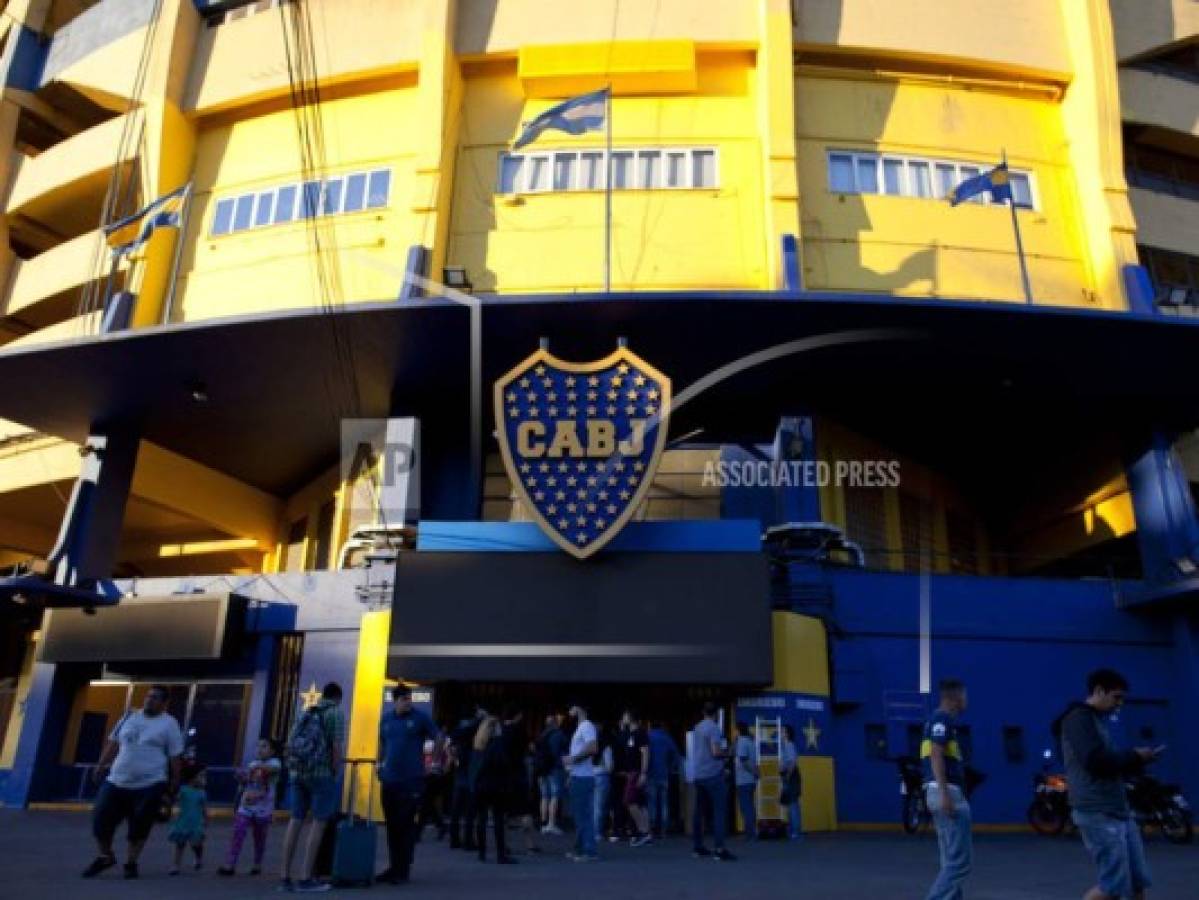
(1011, 203)
(608, 197)
(184, 215)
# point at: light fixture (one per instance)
(199, 392)
(455, 277)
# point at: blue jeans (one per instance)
(603, 787)
(711, 798)
(1116, 848)
(582, 808)
(658, 791)
(953, 837)
(794, 821)
(749, 815)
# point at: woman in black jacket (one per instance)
(490, 777)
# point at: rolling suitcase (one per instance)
(355, 842)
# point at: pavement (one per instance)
(43, 852)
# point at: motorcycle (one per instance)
(914, 812)
(1049, 812)
(1163, 806)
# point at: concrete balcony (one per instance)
(44, 290)
(62, 190)
(1147, 98)
(1171, 223)
(1141, 26)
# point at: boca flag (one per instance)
(133, 231)
(997, 181)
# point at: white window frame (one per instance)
(907, 181)
(522, 182)
(296, 209)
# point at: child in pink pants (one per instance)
(256, 806)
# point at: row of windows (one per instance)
(250, 8)
(305, 200)
(850, 172)
(585, 170)
(878, 747)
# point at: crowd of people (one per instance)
(612, 779)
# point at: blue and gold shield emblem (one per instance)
(581, 442)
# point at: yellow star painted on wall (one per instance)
(811, 735)
(311, 696)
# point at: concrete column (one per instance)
(1167, 527)
(795, 442)
(47, 708)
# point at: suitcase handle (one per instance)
(370, 784)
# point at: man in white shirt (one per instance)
(142, 761)
(583, 745)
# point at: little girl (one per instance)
(256, 806)
(192, 820)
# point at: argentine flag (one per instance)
(575, 116)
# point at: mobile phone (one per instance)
(1159, 749)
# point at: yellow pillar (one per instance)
(776, 118)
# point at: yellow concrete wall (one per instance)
(661, 239)
(489, 27)
(1028, 34)
(244, 61)
(924, 246)
(272, 268)
(1142, 26)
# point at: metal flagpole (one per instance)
(1011, 203)
(608, 197)
(184, 215)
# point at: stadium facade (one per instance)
(781, 250)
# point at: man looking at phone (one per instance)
(1096, 769)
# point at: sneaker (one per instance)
(552, 829)
(131, 870)
(701, 852)
(614, 839)
(312, 886)
(286, 886)
(641, 840)
(723, 855)
(98, 865)
(228, 870)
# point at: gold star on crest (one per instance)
(811, 735)
(311, 697)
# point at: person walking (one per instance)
(490, 784)
(663, 764)
(944, 791)
(403, 731)
(1095, 774)
(140, 765)
(709, 753)
(552, 745)
(520, 803)
(745, 779)
(431, 807)
(315, 753)
(604, 766)
(634, 770)
(255, 806)
(462, 804)
(792, 784)
(583, 746)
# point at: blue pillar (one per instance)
(1186, 700)
(47, 707)
(1167, 528)
(260, 687)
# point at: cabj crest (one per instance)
(581, 441)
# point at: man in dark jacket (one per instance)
(462, 805)
(1096, 769)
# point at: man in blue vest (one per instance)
(403, 731)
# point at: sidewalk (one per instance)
(44, 852)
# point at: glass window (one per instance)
(262, 214)
(920, 179)
(622, 170)
(676, 170)
(310, 199)
(222, 219)
(1022, 190)
(285, 204)
(379, 188)
(564, 171)
(243, 212)
(355, 193)
(893, 176)
(867, 170)
(703, 169)
(840, 173)
(946, 179)
(591, 171)
(649, 172)
(510, 169)
(539, 173)
(332, 200)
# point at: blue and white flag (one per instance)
(997, 181)
(131, 233)
(587, 112)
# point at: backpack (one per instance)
(308, 744)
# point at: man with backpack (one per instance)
(551, 776)
(315, 752)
